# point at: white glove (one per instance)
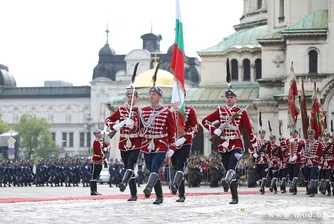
(255, 155)
(292, 159)
(218, 132)
(129, 123)
(255, 145)
(180, 141)
(118, 126)
(169, 153)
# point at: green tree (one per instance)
(3, 126)
(36, 138)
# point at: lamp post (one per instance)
(88, 125)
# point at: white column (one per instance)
(240, 73)
(252, 72)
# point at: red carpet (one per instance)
(108, 197)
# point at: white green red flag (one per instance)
(177, 65)
(293, 101)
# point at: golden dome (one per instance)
(164, 78)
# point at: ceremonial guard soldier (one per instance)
(276, 158)
(232, 120)
(183, 147)
(283, 171)
(295, 148)
(129, 141)
(97, 160)
(261, 155)
(327, 163)
(157, 130)
(311, 160)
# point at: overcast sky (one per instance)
(60, 39)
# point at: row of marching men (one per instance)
(150, 131)
(283, 162)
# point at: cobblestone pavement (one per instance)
(266, 208)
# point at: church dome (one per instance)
(6, 79)
(170, 49)
(106, 51)
(164, 78)
(247, 38)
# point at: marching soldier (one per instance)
(97, 160)
(158, 130)
(232, 119)
(261, 155)
(295, 148)
(182, 152)
(326, 165)
(276, 159)
(129, 142)
(311, 160)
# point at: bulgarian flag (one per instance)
(317, 118)
(177, 65)
(293, 101)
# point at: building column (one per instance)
(252, 72)
(240, 73)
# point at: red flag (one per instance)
(316, 119)
(293, 101)
(304, 111)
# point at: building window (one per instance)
(53, 136)
(64, 139)
(246, 65)
(88, 140)
(82, 139)
(281, 11)
(71, 139)
(313, 61)
(259, 4)
(234, 63)
(258, 69)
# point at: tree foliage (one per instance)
(36, 138)
(3, 126)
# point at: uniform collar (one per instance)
(231, 108)
(155, 106)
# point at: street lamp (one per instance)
(88, 125)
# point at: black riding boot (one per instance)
(152, 179)
(182, 197)
(126, 178)
(176, 182)
(230, 175)
(234, 192)
(158, 193)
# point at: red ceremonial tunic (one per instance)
(327, 161)
(264, 154)
(276, 155)
(191, 126)
(98, 156)
(231, 136)
(129, 138)
(296, 149)
(312, 153)
(157, 129)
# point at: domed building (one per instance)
(271, 35)
(6, 79)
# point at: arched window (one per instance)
(313, 61)
(259, 4)
(234, 64)
(258, 69)
(246, 65)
